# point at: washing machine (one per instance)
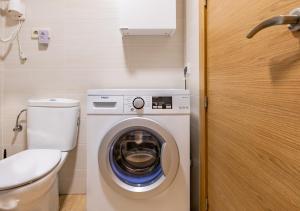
(138, 150)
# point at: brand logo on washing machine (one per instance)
(104, 97)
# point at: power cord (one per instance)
(15, 36)
(21, 52)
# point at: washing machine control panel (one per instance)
(156, 104)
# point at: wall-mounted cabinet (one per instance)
(148, 17)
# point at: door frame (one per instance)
(203, 106)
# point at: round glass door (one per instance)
(138, 158)
(135, 157)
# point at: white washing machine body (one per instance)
(138, 150)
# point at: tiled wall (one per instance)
(192, 59)
(1, 80)
(1, 100)
(86, 51)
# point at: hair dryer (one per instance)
(16, 9)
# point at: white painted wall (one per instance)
(86, 51)
(192, 59)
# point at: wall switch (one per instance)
(44, 37)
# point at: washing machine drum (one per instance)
(137, 152)
(135, 157)
(138, 157)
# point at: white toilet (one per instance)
(28, 180)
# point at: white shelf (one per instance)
(148, 17)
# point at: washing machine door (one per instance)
(138, 158)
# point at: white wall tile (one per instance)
(1, 108)
(1, 79)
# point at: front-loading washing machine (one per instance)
(138, 150)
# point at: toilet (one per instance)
(29, 179)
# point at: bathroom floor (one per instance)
(72, 202)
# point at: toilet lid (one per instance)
(27, 166)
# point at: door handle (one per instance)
(293, 20)
(169, 158)
(165, 159)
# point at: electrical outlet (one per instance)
(35, 32)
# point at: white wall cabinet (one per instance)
(148, 17)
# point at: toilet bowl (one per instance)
(21, 188)
(29, 179)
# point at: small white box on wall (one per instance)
(148, 17)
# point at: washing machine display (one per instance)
(162, 102)
(135, 157)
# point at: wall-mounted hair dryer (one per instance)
(16, 9)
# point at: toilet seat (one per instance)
(27, 166)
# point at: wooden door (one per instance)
(253, 117)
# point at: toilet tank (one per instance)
(52, 123)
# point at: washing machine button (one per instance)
(138, 103)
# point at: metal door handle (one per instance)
(293, 20)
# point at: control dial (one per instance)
(138, 103)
